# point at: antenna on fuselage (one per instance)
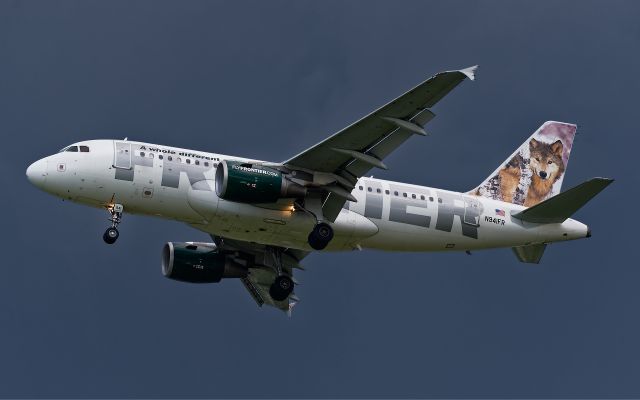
(125, 139)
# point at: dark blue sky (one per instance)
(265, 80)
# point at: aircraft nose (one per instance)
(37, 173)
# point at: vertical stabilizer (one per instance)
(534, 172)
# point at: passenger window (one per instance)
(215, 165)
(84, 149)
(206, 163)
(197, 162)
(395, 192)
(404, 194)
(142, 154)
(73, 149)
(386, 191)
(360, 187)
(188, 161)
(150, 155)
(378, 191)
(160, 156)
(439, 200)
(170, 158)
(369, 189)
(430, 198)
(421, 197)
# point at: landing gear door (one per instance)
(472, 211)
(122, 155)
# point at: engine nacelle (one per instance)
(245, 183)
(198, 263)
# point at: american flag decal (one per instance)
(499, 212)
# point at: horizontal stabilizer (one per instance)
(562, 206)
(530, 254)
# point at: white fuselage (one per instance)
(178, 184)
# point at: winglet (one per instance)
(470, 72)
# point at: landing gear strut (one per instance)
(111, 234)
(320, 236)
(322, 232)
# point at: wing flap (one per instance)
(258, 283)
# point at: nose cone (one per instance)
(37, 173)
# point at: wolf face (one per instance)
(546, 160)
(546, 167)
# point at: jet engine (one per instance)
(246, 183)
(198, 263)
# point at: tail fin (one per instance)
(534, 172)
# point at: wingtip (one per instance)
(607, 181)
(470, 72)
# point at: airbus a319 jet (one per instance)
(265, 217)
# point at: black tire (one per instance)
(320, 236)
(110, 235)
(281, 288)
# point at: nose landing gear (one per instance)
(111, 234)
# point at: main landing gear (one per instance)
(320, 236)
(111, 234)
(282, 286)
(322, 232)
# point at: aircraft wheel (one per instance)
(320, 236)
(281, 288)
(110, 235)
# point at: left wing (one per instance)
(262, 268)
(349, 154)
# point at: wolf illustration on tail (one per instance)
(535, 171)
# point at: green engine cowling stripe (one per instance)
(238, 182)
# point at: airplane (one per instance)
(265, 217)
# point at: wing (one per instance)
(262, 271)
(353, 151)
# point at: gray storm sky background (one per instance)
(265, 80)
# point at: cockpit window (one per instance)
(84, 149)
(72, 149)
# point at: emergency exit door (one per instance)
(122, 155)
